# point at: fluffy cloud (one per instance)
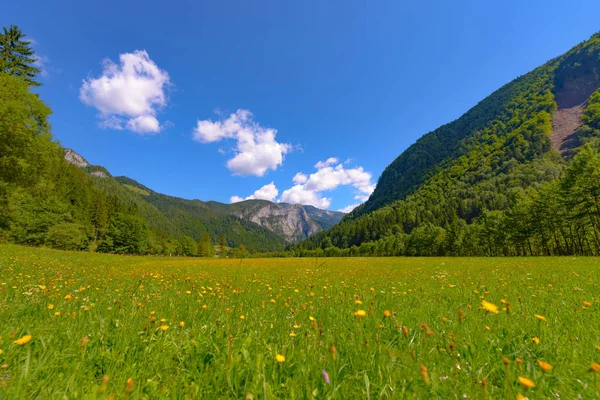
(330, 174)
(128, 95)
(268, 192)
(298, 194)
(256, 150)
(349, 208)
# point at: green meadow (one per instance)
(82, 325)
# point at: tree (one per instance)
(205, 246)
(126, 234)
(67, 236)
(16, 55)
(187, 246)
(223, 241)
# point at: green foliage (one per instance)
(67, 236)
(126, 234)
(16, 55)
(205, 246)
(186, 246)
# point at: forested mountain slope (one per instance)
(436, 197)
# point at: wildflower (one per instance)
(387, 313)
(311, 318)
(23, 340)
(292, 334)
(129, 387)
(521, 397)
(587, 304)
(1, 351)
(536, 340)
(68, 297)
(541, 317)
(181, 324)
(405, 331)
(528, 383)
(242, 317)
(360, 313)
(57, 314)
(325, 376)
(595, 367)
(544, 366)
(164, 327)
(489, 307)
(280, 358)
(204, 306)
(50, 306)
(83, 341)
(424, 374)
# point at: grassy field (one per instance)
(77, 325)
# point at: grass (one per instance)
(105, 325)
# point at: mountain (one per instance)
(258, 224)
(496, 160)
(293, 222)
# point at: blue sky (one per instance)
(216, 99)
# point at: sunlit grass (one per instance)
(87, 325)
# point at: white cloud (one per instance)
(298, 194)
(299, 178)
(267, 192)
(128, 95)
(41, 62)
(329, 176)
(256, 150)
(349, 208)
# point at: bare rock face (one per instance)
(75, 159)
(293, 222)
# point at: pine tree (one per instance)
(16, 56)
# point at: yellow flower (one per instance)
(311, 318)
(68, 297)
(521, 397)
(50, 306)
(357, 302)
(528, 383)
(280, 358)
(1, 351)
(387, 313)
(587, 304)
(360, 313)
(489, 307)
(292, 334)
(536, 340)
(182, 324)
(540, 317)
(544, 366)
(595, 367)
(57, 314)
(204, 307)
(23, 340)
(242, 317)
(164, 327)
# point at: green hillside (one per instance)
(440, 195)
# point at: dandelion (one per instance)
(595, 367)
(424, 374)
(164, 328)
(489, 307)
(587, 304)
(204, 306)
(1, 351)
(387, 313)
(311, 318)
(536, 340)
(57, 314)
(541, 317)
(242, 317)
(527, 383)
(50, 306)
(280, 358)
(360, 313)
(68, 297)
(544, 366)
(22, 341)
(181, 324)
(521, 397)
(292, 334)
(129, 386)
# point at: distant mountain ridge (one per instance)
(285, 223)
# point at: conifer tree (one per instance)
(16, 56)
